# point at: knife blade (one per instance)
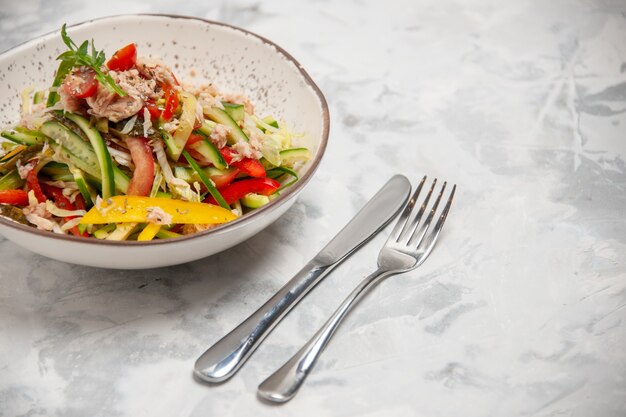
(222, 360)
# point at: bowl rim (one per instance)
(241, 221)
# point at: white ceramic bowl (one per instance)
(234, 59)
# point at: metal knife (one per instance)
(224, 358)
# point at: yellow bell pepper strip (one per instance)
(129, 209)
(149, 232)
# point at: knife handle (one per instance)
(224, 358)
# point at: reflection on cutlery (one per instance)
(224, 358)
(406, 248)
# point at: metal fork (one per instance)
(407, 247)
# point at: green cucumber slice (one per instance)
(186, 121)
(290, 156)
(104, 231)
(83, 187)
(254, 201)
(207, 127)
(23, 136)
(234, 110)
(11, 181)
(166, 234)
(220, 116)
(122, 231)
(102, 153)
(270, 121)
(210, 153)
(73, 150)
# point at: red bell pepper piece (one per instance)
(14, 197)
(64, 203)
(236, 190)
(33, 184)
(249, 166)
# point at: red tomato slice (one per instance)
(171, 102)
(143, 177)
(81, 83)
(236, 190)
(124, 59)
(249, 166)
(14, 197)
(33, 184)
(155, 112)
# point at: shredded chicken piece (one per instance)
(155, 69)
(108, 104)
(171, 126)
(37, 214)
(202, 89)
(247, 150)
(206, 99)
(219, 135)
(67, 102)
(156, 215)
(147, 123)
(24, 170)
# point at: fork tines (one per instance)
(411, 231)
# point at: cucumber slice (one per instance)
(83, 187)
(102, 153)
(207, 127)
(20, 135)
(122, 231)
(166, 234)
(253, 200)
(72, 149)
(52, 169)
(185, 174)
(208, 183)
(11, 181)
(185, 126)
(220, 116)
(105, 231)
(290, 156)
(74, 145)
(270, 121)
(234, 110)
(210, 153)
(57, 171)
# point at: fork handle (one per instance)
(283, 384)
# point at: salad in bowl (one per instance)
(122, 149)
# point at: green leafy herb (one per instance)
(82, 55)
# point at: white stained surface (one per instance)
(520, 309)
